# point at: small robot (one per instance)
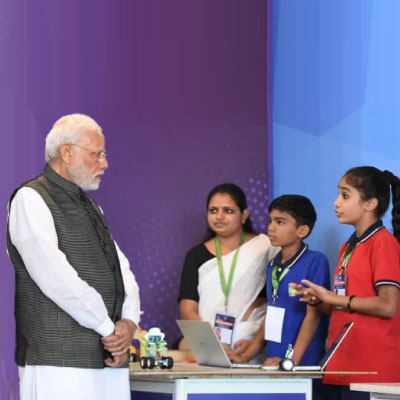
(287, 363)
(155, 348)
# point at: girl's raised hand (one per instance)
(308, 295)
(299, 289)
(313, 294)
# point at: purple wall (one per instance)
(180, 90)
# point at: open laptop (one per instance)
(205, 346)
(331, 351)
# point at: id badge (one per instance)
(223, 327)
(340, 284)
(274, 323)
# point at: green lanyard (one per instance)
(348, 254)
(226, 288)
(346, 257)
(276, 281)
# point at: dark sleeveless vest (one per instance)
(45, 334)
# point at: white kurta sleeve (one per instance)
(33, 233)
(131, 306)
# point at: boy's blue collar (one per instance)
(277, 260)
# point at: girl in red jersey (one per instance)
(365, 285)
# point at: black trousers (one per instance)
(336, 392)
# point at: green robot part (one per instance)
(155, 349)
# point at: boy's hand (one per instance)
(299, 288)
(272, 361)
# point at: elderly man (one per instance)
(76, 300)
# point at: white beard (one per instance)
(81, 176)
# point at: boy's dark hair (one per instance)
(299, 207)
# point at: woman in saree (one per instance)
(223, 278)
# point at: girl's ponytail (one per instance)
(394, 183)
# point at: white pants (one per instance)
(37, 382)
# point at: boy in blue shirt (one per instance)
(289, 321)
(291, 219)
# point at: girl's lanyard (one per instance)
(276, 281)
(348, 254)
(340, 280)
(346, 257)
(226, 288)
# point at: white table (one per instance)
(193, 382)
(378, 391)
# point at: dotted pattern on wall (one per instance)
(257, 201)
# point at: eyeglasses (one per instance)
(99, 154)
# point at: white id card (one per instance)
(274, 323)
(223, 327)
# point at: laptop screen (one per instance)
(204, 343)
(335, 344)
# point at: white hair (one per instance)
(69, 129)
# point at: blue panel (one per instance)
(296, 72)
(247, 396)
(320, 61)
(344, 40)
(336, 100)
(137, 395)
